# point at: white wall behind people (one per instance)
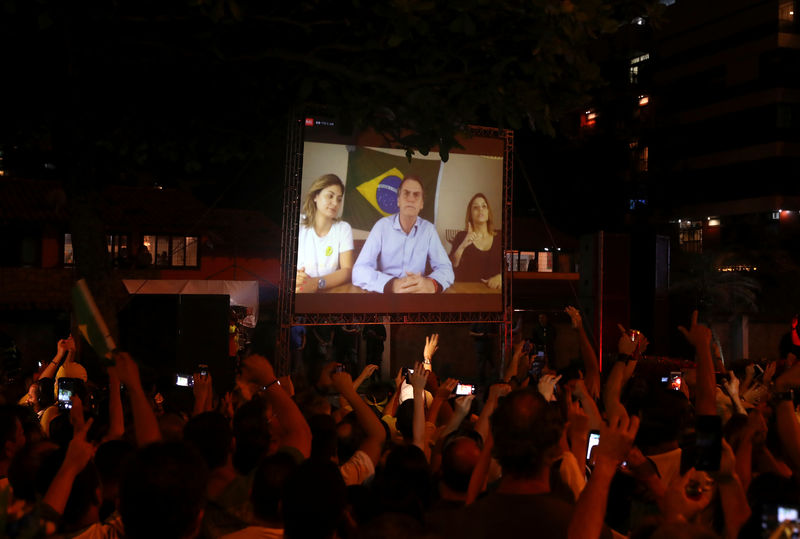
(461, 177)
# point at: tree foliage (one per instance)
(187, 87)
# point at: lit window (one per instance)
(690, 236)
(117, 245)
(172, 251)
(635, 63)
(776, 215)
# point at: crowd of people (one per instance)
(638, 450)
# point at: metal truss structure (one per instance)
(290, 227)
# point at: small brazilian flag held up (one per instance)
(372, 181)
(90, 322)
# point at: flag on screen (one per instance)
(372, 181)
(90, 322)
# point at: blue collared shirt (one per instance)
(389, 253)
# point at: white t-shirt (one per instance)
(320, 256)
(358, 469)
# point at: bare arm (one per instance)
(65, 347)
(477, 480)
(732, 494)
(616, 441)
(144, 419)
(79, 452)
(418, 379)
(297, 433)
(376, 435)
(699, 336)
(590, 363)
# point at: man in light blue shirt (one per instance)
(398, 247)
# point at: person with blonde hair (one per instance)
(477, 251)
(325, 243)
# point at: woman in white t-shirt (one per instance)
(325, 243)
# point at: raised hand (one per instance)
(731, 385)
(431, 346)
(574, 316)
(498, 390)
(446, 389)
(368, 370)
(256, 368)
(547, 386)
(675, 504)
(616, 438)
(419, 378)
(698, 335)
(463, 405)
(125, 369)
(769, 372)
(631, 343)
(80, 451)
(342, 381)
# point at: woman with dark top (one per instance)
(477, 251)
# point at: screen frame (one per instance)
(460, 310)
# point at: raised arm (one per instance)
(256, 368)
(616, 440)
(64, 347)
(144, 419)
(699, 336)
(79, 453)
(418, 379)
(591, 365)
(366, 373)
(376, 435)
(483, 426)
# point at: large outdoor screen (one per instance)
(379, 233)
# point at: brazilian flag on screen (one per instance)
(372, 181)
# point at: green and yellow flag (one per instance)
(90, 322)
(372, 181)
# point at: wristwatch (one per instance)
(321, 283)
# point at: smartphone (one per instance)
(675, 380)
(340, 368)
(527, 346)
(537, 365)
(184, 380)
(406, 372)
(203, 369)
(773, 516)
(66, 389)
(465, 389)
(594, 439)
(708, 443)
(720, 378)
